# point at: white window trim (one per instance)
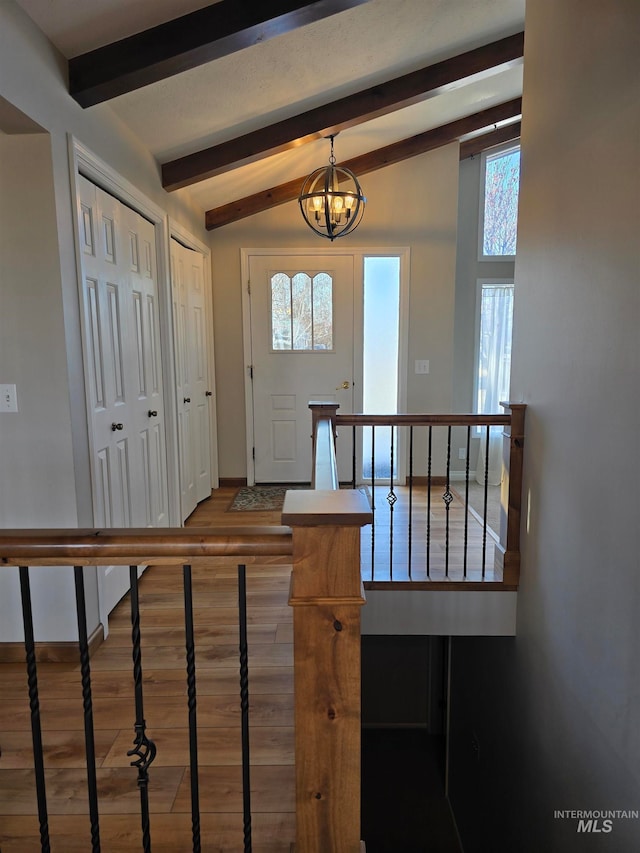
(491, 152)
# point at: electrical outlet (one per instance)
(8, 398)
(462, 453)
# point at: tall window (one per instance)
(499, 203)
(494, 346)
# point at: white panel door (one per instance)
(145, 369)
(106, 299)
(192, 371)
(302, 310)
(123, 372)
(180, 298)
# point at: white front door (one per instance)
(301, 349)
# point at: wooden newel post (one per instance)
(326, 594)
(511, 492)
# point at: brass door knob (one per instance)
(345, 386)
(152, 413)
(114, 427)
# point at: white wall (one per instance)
(423, 217)
(44, 471)
(556, 710)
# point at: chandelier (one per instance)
(331, 200)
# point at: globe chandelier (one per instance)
(331, 200)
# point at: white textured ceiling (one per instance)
(289, 74)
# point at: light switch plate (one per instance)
(422, 366)
(8, 398)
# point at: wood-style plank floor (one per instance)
(163, 660)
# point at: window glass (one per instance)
(500, 204)
(301, 312)
(494, 349)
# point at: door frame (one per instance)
(358, 254)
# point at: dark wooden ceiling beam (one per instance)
(390, 154)
(346, 112)
(186, 42)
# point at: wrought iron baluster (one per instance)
(466, 503)
(87, 704)
(373, 501)
(447, 497)
(244, 707)
(486, 499)
(191, 699)
(143, 748)
(429, 458)
(34, 703)
(391, 500)
(410, 532)
(353, 457)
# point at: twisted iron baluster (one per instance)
(486, 498)
(373, 501)
(447, 497)
(144, 748)
(429, 504)
(391, 499)
(34, 703)
(353, 457)
(466, 502)
(191, 694)
(410, 535)
(85, 669)
(244, 707)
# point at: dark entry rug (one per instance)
(260, 498)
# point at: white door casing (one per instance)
(282, 382)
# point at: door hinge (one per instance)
(250, 371)
(249, 288)
(253, 453)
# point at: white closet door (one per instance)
(107, 295)
(147, 405)
(194, 391)
(123, 372)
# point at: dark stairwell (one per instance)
(404, 807)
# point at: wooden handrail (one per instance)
(125, 546)
(422, 420)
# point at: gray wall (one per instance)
(555, 711)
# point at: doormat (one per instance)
(270, 498)
(260, 498)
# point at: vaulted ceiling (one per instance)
(234, 98)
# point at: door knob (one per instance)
(152, 413)
(345, 385)
(114, 427)
(187, 399)
(208, 393)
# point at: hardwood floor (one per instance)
(165, 704)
